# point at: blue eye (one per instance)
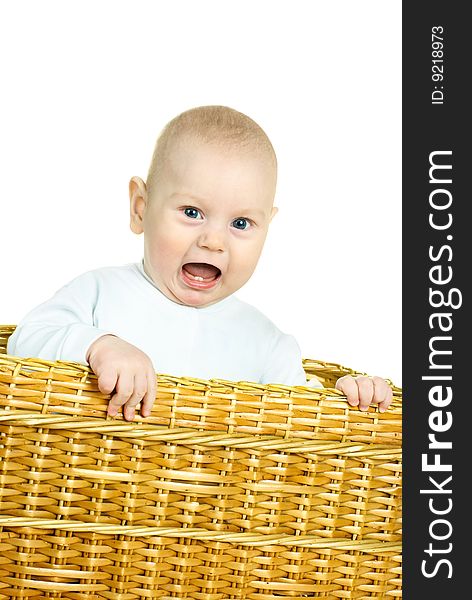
(241, 224)
(191, 212)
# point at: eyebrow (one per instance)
(254, 211)
(187, 196)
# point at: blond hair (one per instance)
(210, 124)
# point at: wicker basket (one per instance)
(228, 490)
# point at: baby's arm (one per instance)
(285, 366)
(283, 363)
(62, 328)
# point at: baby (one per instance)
(205, 211)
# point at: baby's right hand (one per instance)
(122, 367)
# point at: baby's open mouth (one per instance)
(201, 271)
(201, 274)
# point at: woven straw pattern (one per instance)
(228, 490)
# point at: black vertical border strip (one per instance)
(428, 128)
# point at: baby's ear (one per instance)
(275, 210)
(137, 200)
(137, 187)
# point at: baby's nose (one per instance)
(213, 239)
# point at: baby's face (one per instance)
(205, 227)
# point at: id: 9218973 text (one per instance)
(437, 68)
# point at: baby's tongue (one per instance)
(201, 270)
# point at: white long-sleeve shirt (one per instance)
(227, 340)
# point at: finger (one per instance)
(107, 380)
(366, 392)
(381, 388)
(124, 389)
(150, 396)
(383, 406)
(347, 385)
(140, 388)
(128, 412)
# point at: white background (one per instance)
(87, 86)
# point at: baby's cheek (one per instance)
(243, 269)
(164, 247)
(253, 254)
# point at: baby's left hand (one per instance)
(363, 391)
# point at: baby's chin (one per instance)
(199, 299)
(191, 298)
